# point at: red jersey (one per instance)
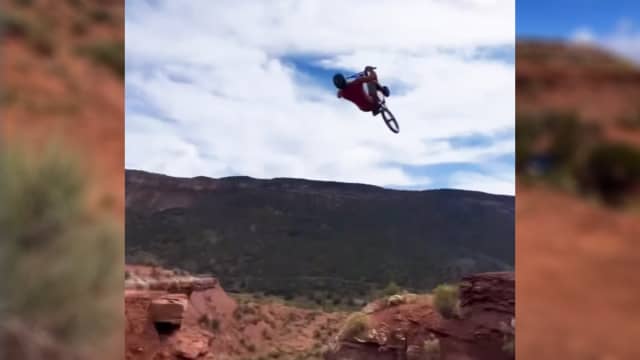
(355, 92)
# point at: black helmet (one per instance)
(339, 81)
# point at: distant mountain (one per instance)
(299, 237)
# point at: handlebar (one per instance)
(361, 73)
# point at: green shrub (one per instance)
(566, 133)
(612, 170)
(355, 325)
(446, 300)
(527, 133)
(391, 289)
(106, 53)
(59, 263)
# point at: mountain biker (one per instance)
(363, 91)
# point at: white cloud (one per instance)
(497, 184)
(624, 39)
(224, 102)
(583, 35)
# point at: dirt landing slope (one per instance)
(415, 330)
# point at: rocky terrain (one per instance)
(178, 316)
(173, 316)
(299, 238)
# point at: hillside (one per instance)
(600, 87)
(296, 237)
(567, 239)
(578, 121)
(63, 80)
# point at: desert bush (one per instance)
(100, 15)
(446, 300)
(391, 289)
(612, 170)
(106, 53)
(527, 133)
(566, 133)
(355, 325)
(13, 25)
(60, 263)
(38, 35)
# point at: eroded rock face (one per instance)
(168, 309)
(161, 318)
(414, 330)
(181, 284)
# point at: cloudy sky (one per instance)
(244, 88)
(614, 25)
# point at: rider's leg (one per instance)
(372, 90)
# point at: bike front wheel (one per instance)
(389, 119)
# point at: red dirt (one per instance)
(242, 329)
(577, 291)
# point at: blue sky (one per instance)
(244, 88)
(561, 18)
(614, 25)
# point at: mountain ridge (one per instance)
(296, 237)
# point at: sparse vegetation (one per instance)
(38, 35)
(106, 53)
(576, 157)
(355, 325)
(59, 262)
(100, 15)
(446, 300)
(391, 289)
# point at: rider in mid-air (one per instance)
(363, 91)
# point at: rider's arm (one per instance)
(339, 94)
